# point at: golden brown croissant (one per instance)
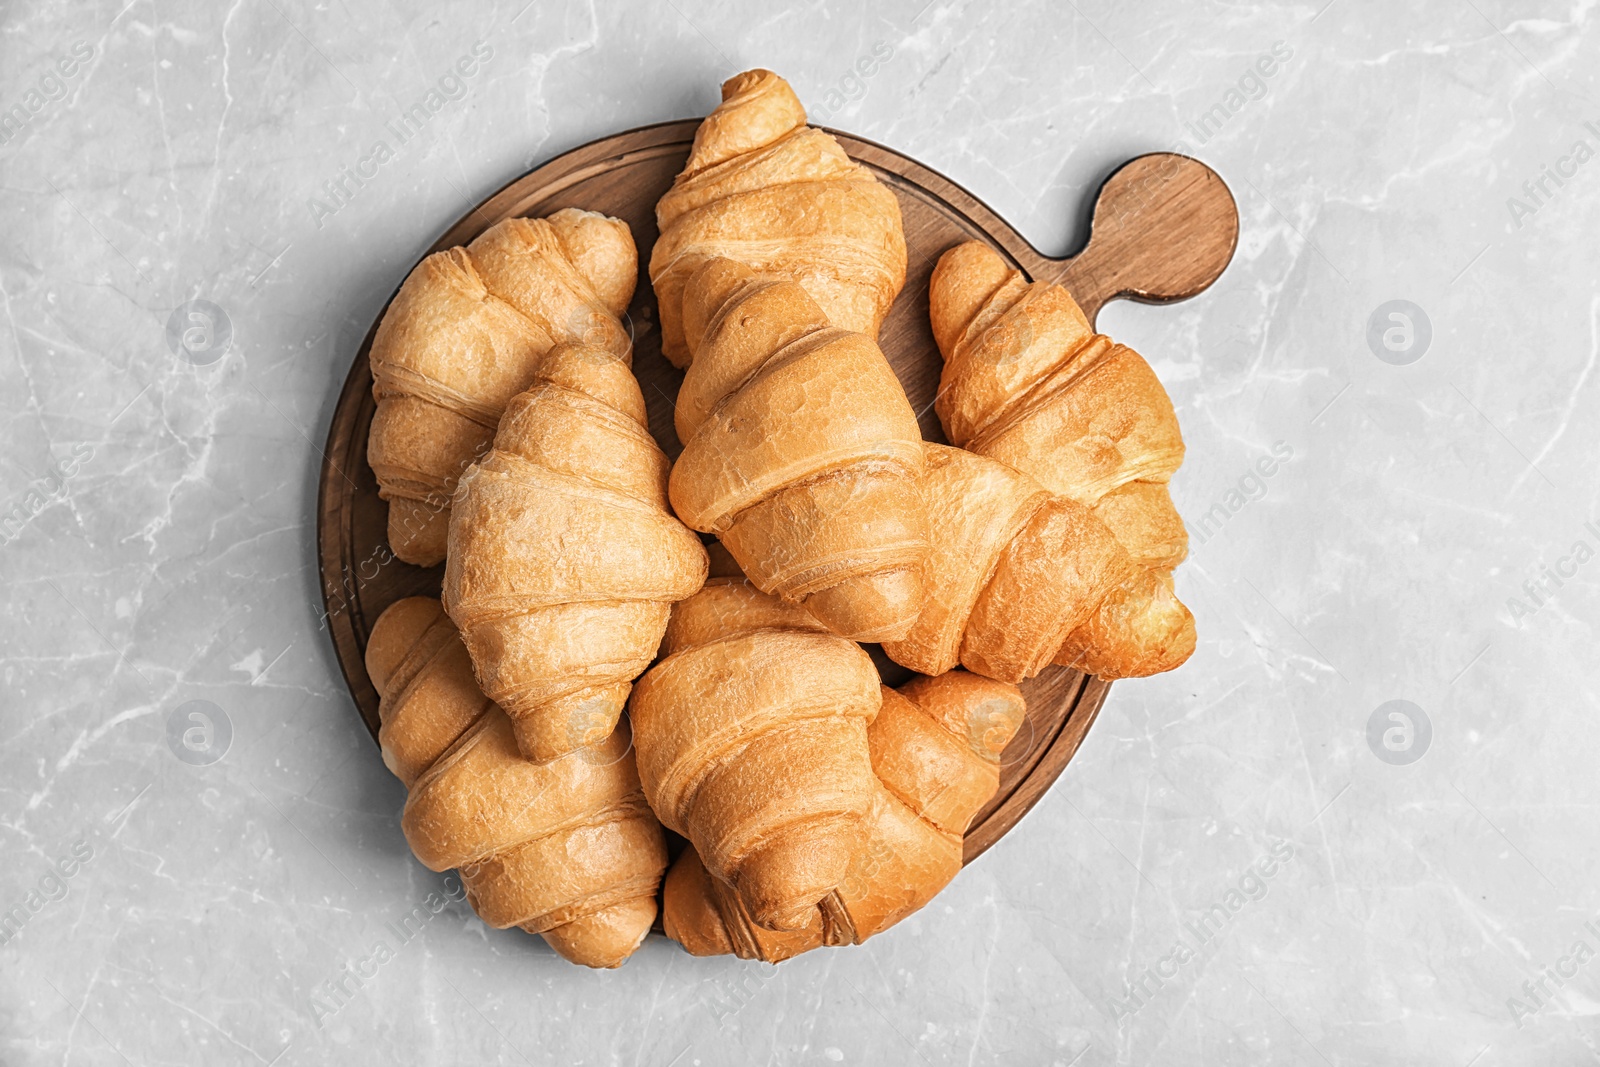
(564, 560)
(463, 336)
(567, 850)
(936, 748)
(765, 189)
(800, 452)
(1019, 577)
(1027, 381)
(752, 742)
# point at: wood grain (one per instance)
(1165, 227)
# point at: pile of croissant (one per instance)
(511, 443)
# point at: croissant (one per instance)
(800, 452)
(762, 187)
(564, 560)
(752, 743)
(567, 850)
(462, 337)
(1028, 382)
(1019, 577)
(936, 748)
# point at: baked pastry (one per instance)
(762, 187)
(564, 559)
(567, 850)
(800, 452)
(463, 336)
(752, 743)
(1019, 577)
(1028, 382)
(936, 748)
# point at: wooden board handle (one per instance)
(1164, 228)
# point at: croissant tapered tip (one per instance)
(596, 372)
(606, 938)
(964, 279)
(1140, 630)
(419, 530)
(602, 249)
(566, 724)
(782, 880)
(705, 293)
(983, 712)
(746, 80)
(688, 911)
(1171, 637)
(871, 607)
(396, 630)
(757, 108)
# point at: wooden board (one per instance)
(1164, 228)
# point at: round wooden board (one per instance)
(1165, 227)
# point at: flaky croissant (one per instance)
(463, 336)
(765, 189)
(801, 453)
(567, 850)
(1019, 577)
(936, 748)
(1027, 381)
(564, 560)
(752, 742)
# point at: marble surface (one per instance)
(1410, 890)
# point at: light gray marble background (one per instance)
(1418, 543)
